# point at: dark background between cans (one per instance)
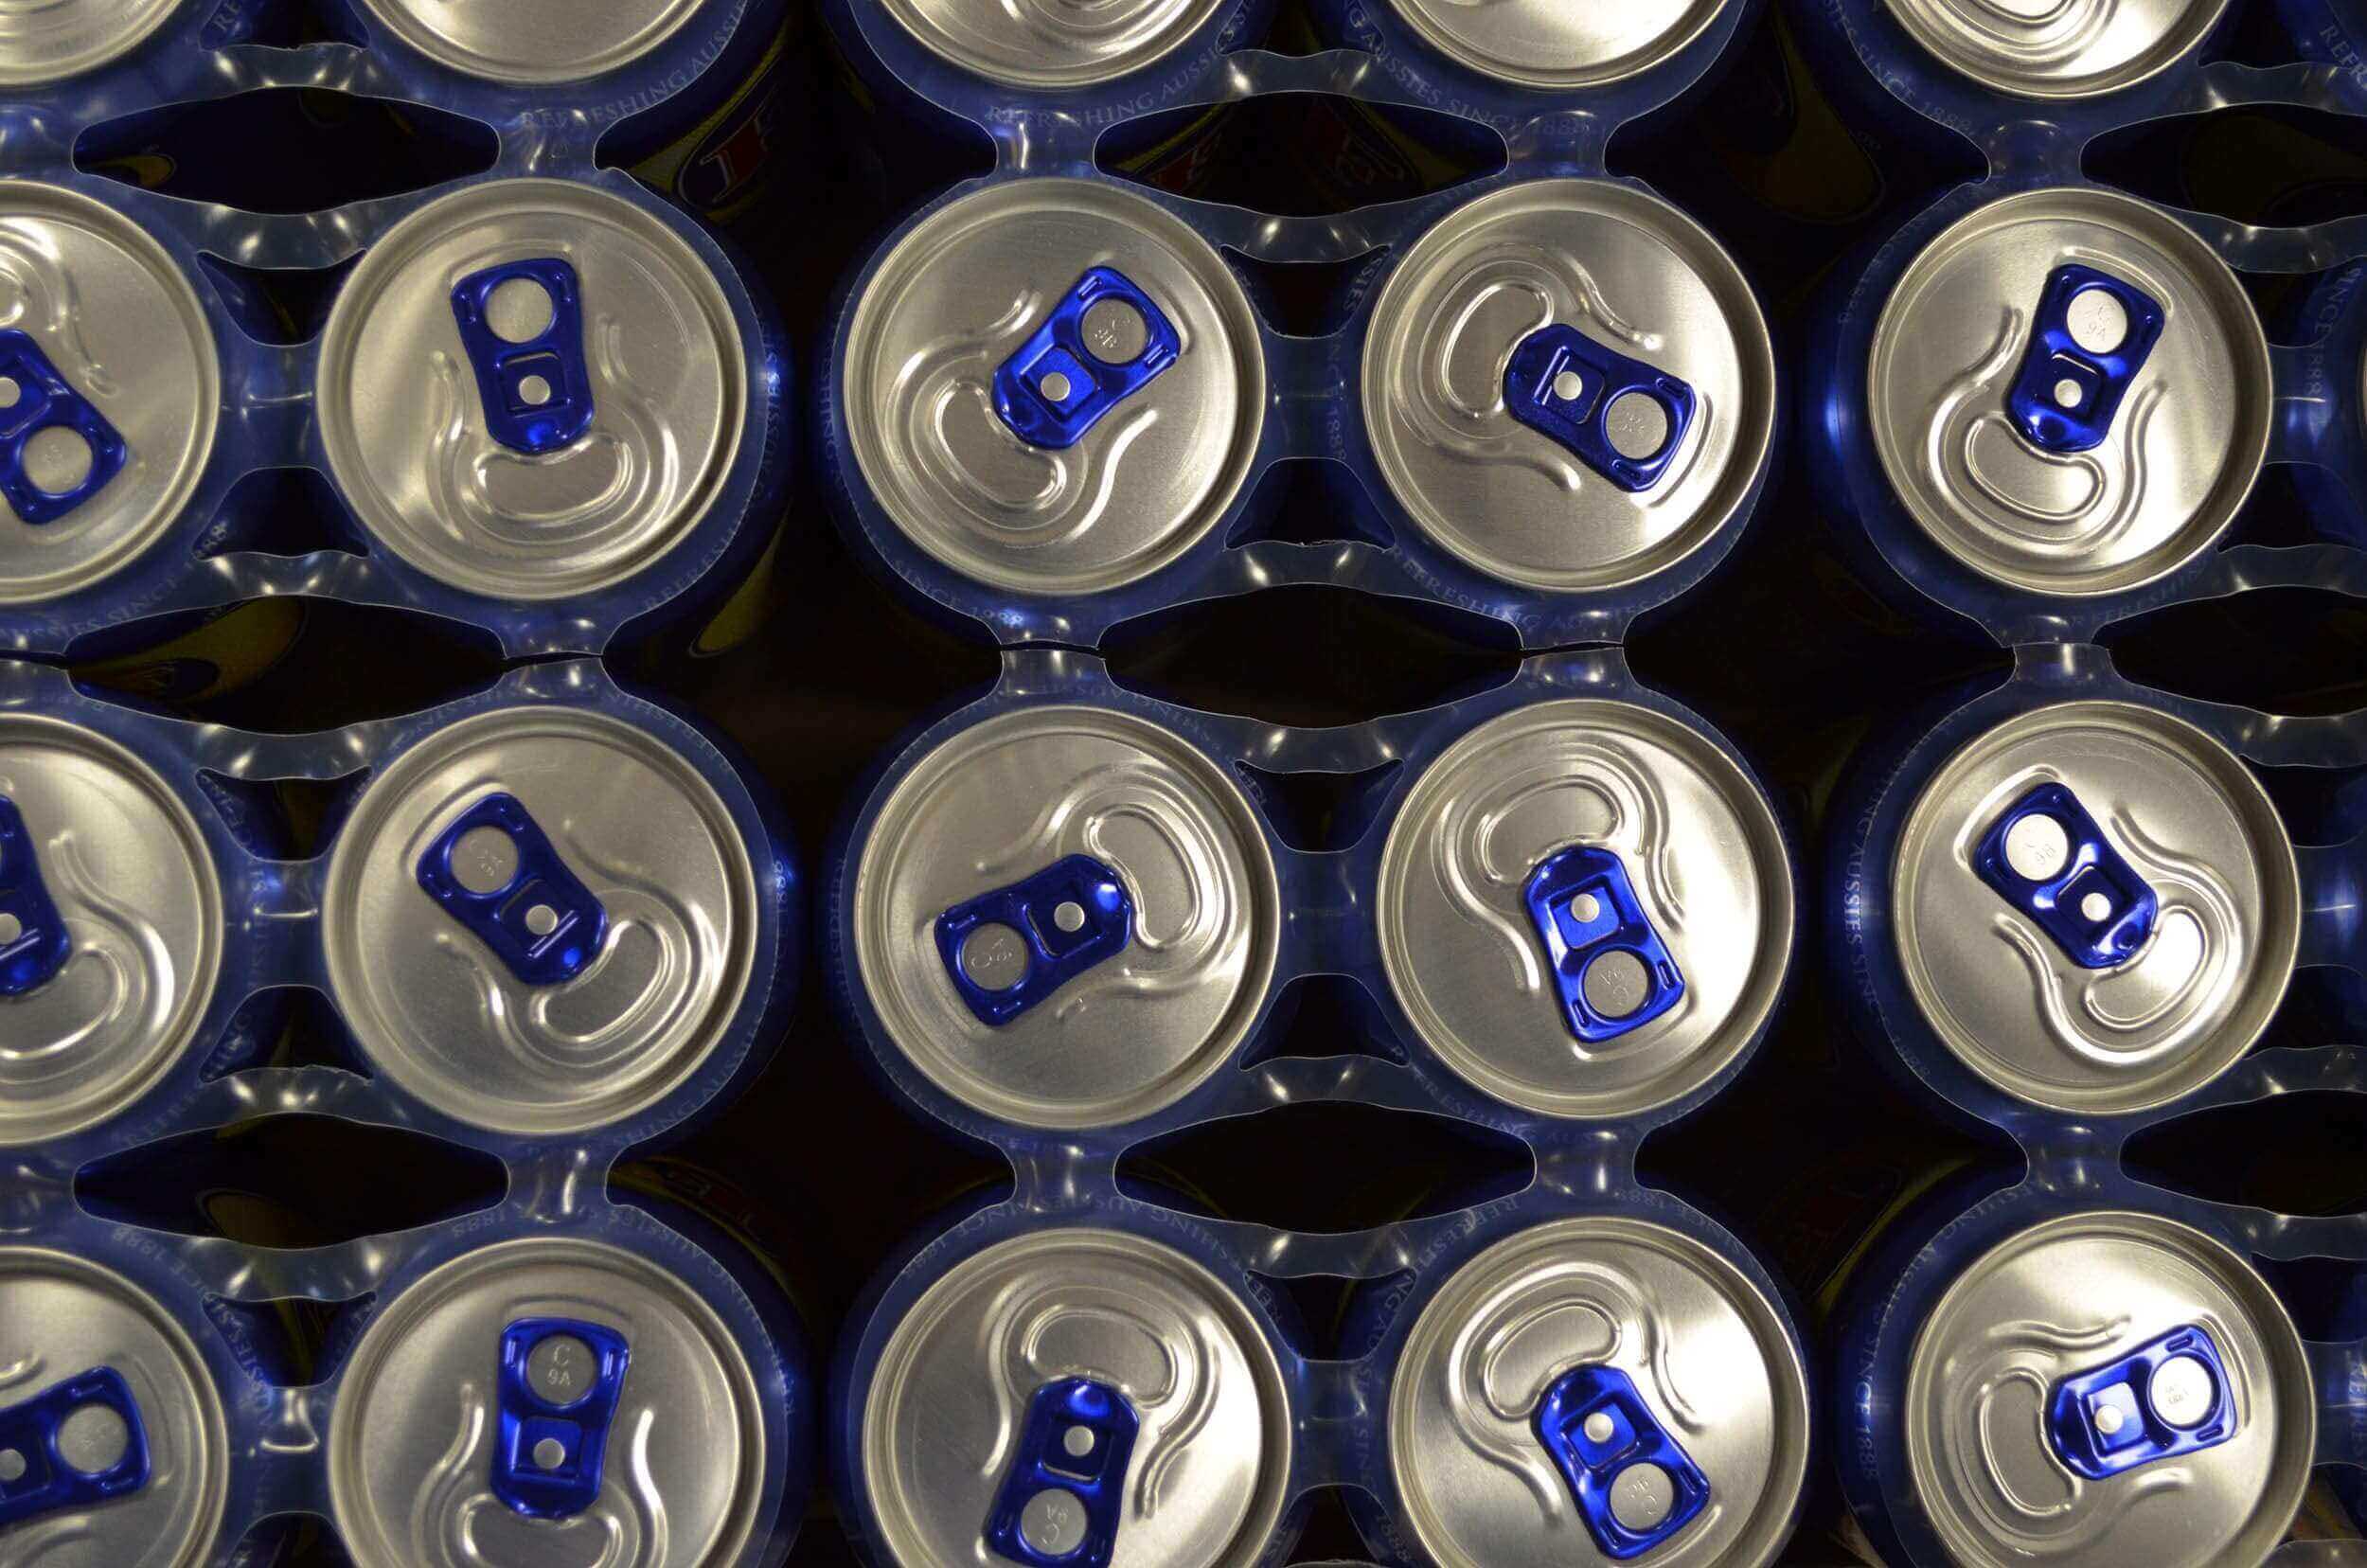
(1804, 1155)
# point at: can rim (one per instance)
(400, 18)
(910, 16)
(1512, 67)
(111, 44)
(2173, 47)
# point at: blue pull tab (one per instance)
(1613, 971)
(1061, 1499)
(1634, 1485)
(536, 388)
(45, 1459)
(1105, 342)
(1008, 950)
(560, 1385)
(2166, 1397)
(33, 941)
(2047, 857)
(2089, 336)
(1618, 415)
(495, 871)
(46, 401)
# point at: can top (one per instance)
(532, 389)
(52, 43)
(2057, 52)
(1177, 1357)
(63, 1319)
(1568, 384)
(979, 315)
(1127, 1023)
(1558, 47)
(424, 1408)
(534, 42)
(107, 332)
(2180, 866)
(2132, 1333)
(1053, 48)
(614, 827)
(1674, 1340)
(120, 865)
(2081, 303)
(1679, 836)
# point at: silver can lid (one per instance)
(1501, 888)
(2024, 996)
(1637, 294)
(1554, 47)
(2146, 1327)
(434, 995)
(963, 305)
(128, 875)
(2036, 49)
(1640, 1328)
(618, 381)
(1186, 964)
(117, 321)
(2172, 460)
(534, 42)
(413, 1466)
(1053, 48)
(944, 1422)
(62, 1318)
(45, 44)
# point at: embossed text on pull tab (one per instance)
(1061, 1499)
(558, 1389)
(2166, 1397)
(34, 401)
(1618, 415)
(496, 872)
(2089, 337)
(1008, 950)
(522, 326)
(1634, 1485)
(2048, 857)
(33, 941)
(1105, 341)
(74, 1445)
(1609, 966)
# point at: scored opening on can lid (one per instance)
(2075, 1295)
(534, 42)
(1209, 1465)
(436, 1007)
(61, 40)
(2191, 825)
(1704, 1351)
(1053, 48)
(1152, 1017)
(2170, 463)
(1649, 297)
(409, 1439)
(2036, 49)
(650, 342)
(1555, 46)
(1685, 833)
(954, 309)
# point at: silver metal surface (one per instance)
(1706, 1350)
(135, 885)
(2184, 446)
(409, 1463)
(50, 41)
(956, 297)
(527, 42)
(448, 1021)
(1010, 797)
(2066, 1296)
(2192, 821)
(405, 423)
(123, 326)
(2057, 48)
(1630, 271)
(1205, 1485)
(1552, 44)
(1702, 849)
(1052, 44)
(62, 1316)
